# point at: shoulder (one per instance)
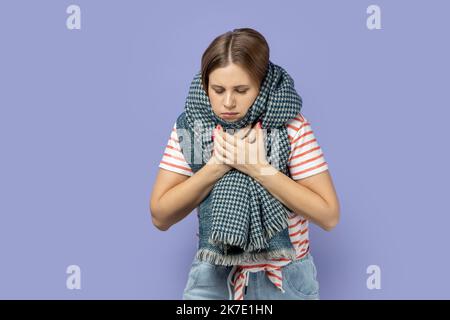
(297, 125)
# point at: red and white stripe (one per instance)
(173, 159)
(298, 233)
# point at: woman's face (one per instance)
(231, 92)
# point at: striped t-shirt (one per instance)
(306, 159)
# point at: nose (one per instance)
(229, 101)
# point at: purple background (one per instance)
(86, 114)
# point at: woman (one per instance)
(240, 88)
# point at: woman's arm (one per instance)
(314, 197)
(175, 195)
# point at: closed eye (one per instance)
(238, 91)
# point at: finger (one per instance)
(230, 139)
(219, 157)
(218, 138)
(261, 144)
(260, 133)
(228, 158)
(222, 155)
(225, 140)
(227, 154)
(251, 136)
(243, 131)
(219, 148)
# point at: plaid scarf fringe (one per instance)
(207, 255)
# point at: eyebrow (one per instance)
(241, 86)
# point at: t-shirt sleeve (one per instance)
(306, 157)
(173, 159)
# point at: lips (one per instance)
(229, 115)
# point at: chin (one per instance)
(230, 120)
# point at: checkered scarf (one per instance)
(245, 222)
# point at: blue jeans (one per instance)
(207, 281)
